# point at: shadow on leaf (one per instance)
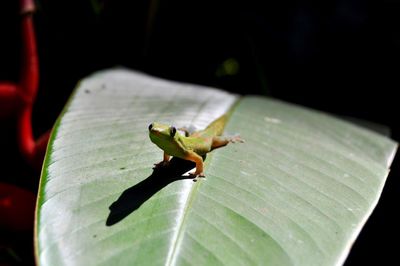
(132, 198)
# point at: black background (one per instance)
(338, 56)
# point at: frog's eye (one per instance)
(150, 126)
(173, 131)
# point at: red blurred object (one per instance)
(27, 6)
(19, 98)
(17, 208)
(8, 99)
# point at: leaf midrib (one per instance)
(177, 239)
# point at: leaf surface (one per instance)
(297, 192)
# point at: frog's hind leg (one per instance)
(218, 142)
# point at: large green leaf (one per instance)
(297, 192)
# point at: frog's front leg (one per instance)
(194, 157)
(164, 162)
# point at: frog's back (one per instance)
(200, 145)
(214, 129)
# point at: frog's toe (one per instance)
(196, 176)
(236, 139)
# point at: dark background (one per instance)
(338, 56)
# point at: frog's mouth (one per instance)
(156, 135)
(158, 139)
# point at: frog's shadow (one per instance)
(132, 198)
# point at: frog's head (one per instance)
(161, 133)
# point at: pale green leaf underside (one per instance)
(297, 192)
